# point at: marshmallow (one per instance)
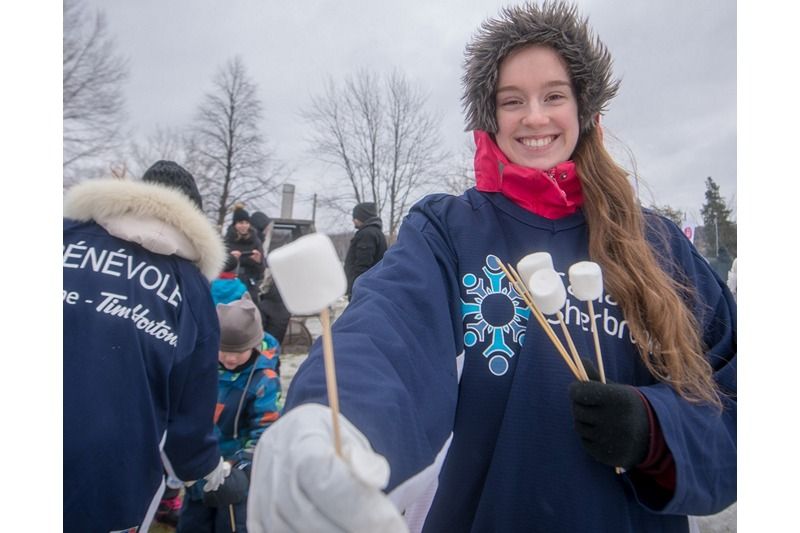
(586, 279)
(533, 262)
(547, 290)
(308, 274)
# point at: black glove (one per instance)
(232, 490)
(611, 419)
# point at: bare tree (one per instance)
(383, 140)
(227, 152)
(165, 143)
(93, 76)
(462, 174)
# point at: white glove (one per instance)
(298, 483)
(217, 476)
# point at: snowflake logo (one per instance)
(494, 316)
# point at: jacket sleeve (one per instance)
(395, 347)
(263, 410)
(701, 438)
(191, 446)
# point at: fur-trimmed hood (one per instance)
(554, 24)
(160, 218)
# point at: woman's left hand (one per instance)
(611, 419)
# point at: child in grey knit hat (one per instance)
(248, 398)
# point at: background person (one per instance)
(140, 347)
(244, 243)
(368, 244)
(275, 317)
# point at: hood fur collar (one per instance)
(160, 218)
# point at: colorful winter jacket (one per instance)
(247, 400)
(441, 366)
(141, 341)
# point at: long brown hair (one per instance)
(664, 328)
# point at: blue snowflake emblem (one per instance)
(495, 316)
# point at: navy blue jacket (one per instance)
(440, 367)
(141, 341)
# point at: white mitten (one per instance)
(217, 476)
(298, 483)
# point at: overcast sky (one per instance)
(676, 110)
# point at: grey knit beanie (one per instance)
(554, 24)
(239, 325)
(365, 211)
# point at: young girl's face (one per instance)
(537, 113)
(231, 360)
(242, 227)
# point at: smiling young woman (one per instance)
(457, 405)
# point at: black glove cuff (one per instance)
(612, 421)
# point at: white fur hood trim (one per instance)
(160, 218)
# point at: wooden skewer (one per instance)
(330, 377)
(597, 351)
(523, 292)
(572, 349)
(233, 522)
(522, 289)
(526, 296)
(599, 354)
(579, 369)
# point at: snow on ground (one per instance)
(724, 522)
(289, 364)
(291, 361)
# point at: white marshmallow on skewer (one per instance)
(533, 262)
(547, 290)
(550, 295)
(308, 274)
(586, 279)
(310, 277)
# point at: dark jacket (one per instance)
(251, 272)
(141, 342)
(366, 248)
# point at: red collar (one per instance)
(227, 275)
(552, 193)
